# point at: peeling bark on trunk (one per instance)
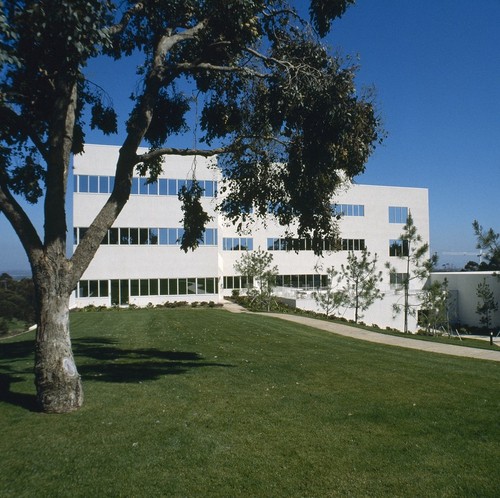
(58, 384)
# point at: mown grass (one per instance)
(206, 403)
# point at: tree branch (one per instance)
(119, 27)
(6, 113)
(206, 66)
(20, 222)
(166, 151)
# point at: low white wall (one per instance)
(465, 284)
(379, 313)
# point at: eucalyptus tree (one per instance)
(281, 113)
(414, 252)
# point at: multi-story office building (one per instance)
(140, 260)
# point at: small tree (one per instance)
(360, 279)
(257, 267)
(434, 306)
(418, 267)
(329, 299)
(489, 242)
(486, 305)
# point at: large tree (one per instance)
(281, 113)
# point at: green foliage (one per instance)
(486, 305)
(257, 267)
(17, 299)
(195, 217)
(329, 299)
(268, 91)
(488, 241)
(418, 266)
(434, 307)
(360, 279)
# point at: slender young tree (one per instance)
(489, 242)
(329, 299)
(261, 274)
(434, 306)
(359, 279)
(486, 305)
(280, 112)
(414, 252)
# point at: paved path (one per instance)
(366, 335)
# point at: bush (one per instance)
(4, 326)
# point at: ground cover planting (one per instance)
(201, 402)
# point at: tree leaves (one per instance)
(195, 217)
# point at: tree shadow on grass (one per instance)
(98, 359)
(11, 352)
(103, 360)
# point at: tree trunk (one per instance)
(58, 384)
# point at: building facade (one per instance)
(140, 261)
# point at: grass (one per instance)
(206, 403)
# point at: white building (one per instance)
(463, 301)
(140, 261)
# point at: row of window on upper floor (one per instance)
(173, 236)
(99, 184)
(96, 184)
(147, 236)
(281, 244)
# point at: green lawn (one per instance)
(203, 403)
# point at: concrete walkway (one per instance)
(366, 335)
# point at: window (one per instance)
(209, 189)
(398, 214)
(237, 282)
(348, 209)
(397, 279)
(153, 188)
(143, 186)
(104, 184)
(135, 186)
(134, 287)
(210, 237)
(172, 187)
(153, 236)
(92, 288)
(162, 184)
(353, 244)
(153, 287)
(143, 236)
(93, 184)
(113, 235)
(237, 244)
(398, 248)
(83, 183)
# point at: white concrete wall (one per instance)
(465, 284)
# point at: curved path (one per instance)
(366, 335)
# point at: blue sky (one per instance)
(435, 65)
